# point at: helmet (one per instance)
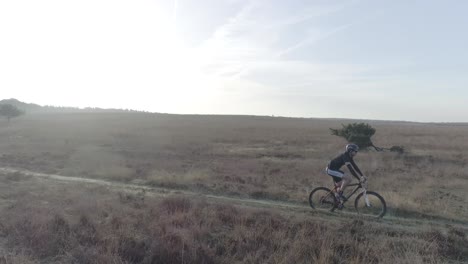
(352, 147)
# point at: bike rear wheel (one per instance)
(375, 205)
(322, 198)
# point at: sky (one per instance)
(367, 59)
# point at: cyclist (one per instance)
(342, 179)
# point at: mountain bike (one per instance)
(366, 203)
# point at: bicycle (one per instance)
(367, 203)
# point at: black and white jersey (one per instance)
(338, 162)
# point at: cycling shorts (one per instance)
(336, 175)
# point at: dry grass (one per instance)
(53, 222)
(259, 157)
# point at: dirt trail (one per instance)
(153, 191)
(288, 206)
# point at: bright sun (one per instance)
(126, 51)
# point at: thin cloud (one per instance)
(307, 14)
(232, 44)
(313, 38)
(251, 41)
(174, 11)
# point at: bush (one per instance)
(357, 133)
(360, 134)
(398, 149)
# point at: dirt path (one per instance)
(287, 206)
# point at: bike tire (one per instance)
(322, 198)
(377, 206)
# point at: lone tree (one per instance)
(360, 134)
(10, 111)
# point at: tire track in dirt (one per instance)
(153, 191)
(287, 206)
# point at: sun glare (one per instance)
(126, 49)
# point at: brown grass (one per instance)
(257, 157)
(260, 157)
(78, 224)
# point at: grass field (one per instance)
(266, 158)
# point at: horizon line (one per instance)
(239, 115)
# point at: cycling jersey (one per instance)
(338, 162)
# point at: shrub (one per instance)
(360, 134)
(357, 133)
(398, 149)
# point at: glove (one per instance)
(363, 178)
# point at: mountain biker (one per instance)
(340, 178)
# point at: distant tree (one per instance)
(10, 111)
(360, 134)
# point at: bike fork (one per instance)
(366, 199)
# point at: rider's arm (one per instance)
(350, 168)
(355, 167)
(352, 164)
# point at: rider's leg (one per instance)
(346, 180)
(337, 179)
(337, 184)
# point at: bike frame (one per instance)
(354, 191)
(359, 186)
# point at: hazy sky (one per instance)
(390, 60)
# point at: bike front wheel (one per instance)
(322, 198)
(370, 204)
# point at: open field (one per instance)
(264, 158)
(45, 220)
